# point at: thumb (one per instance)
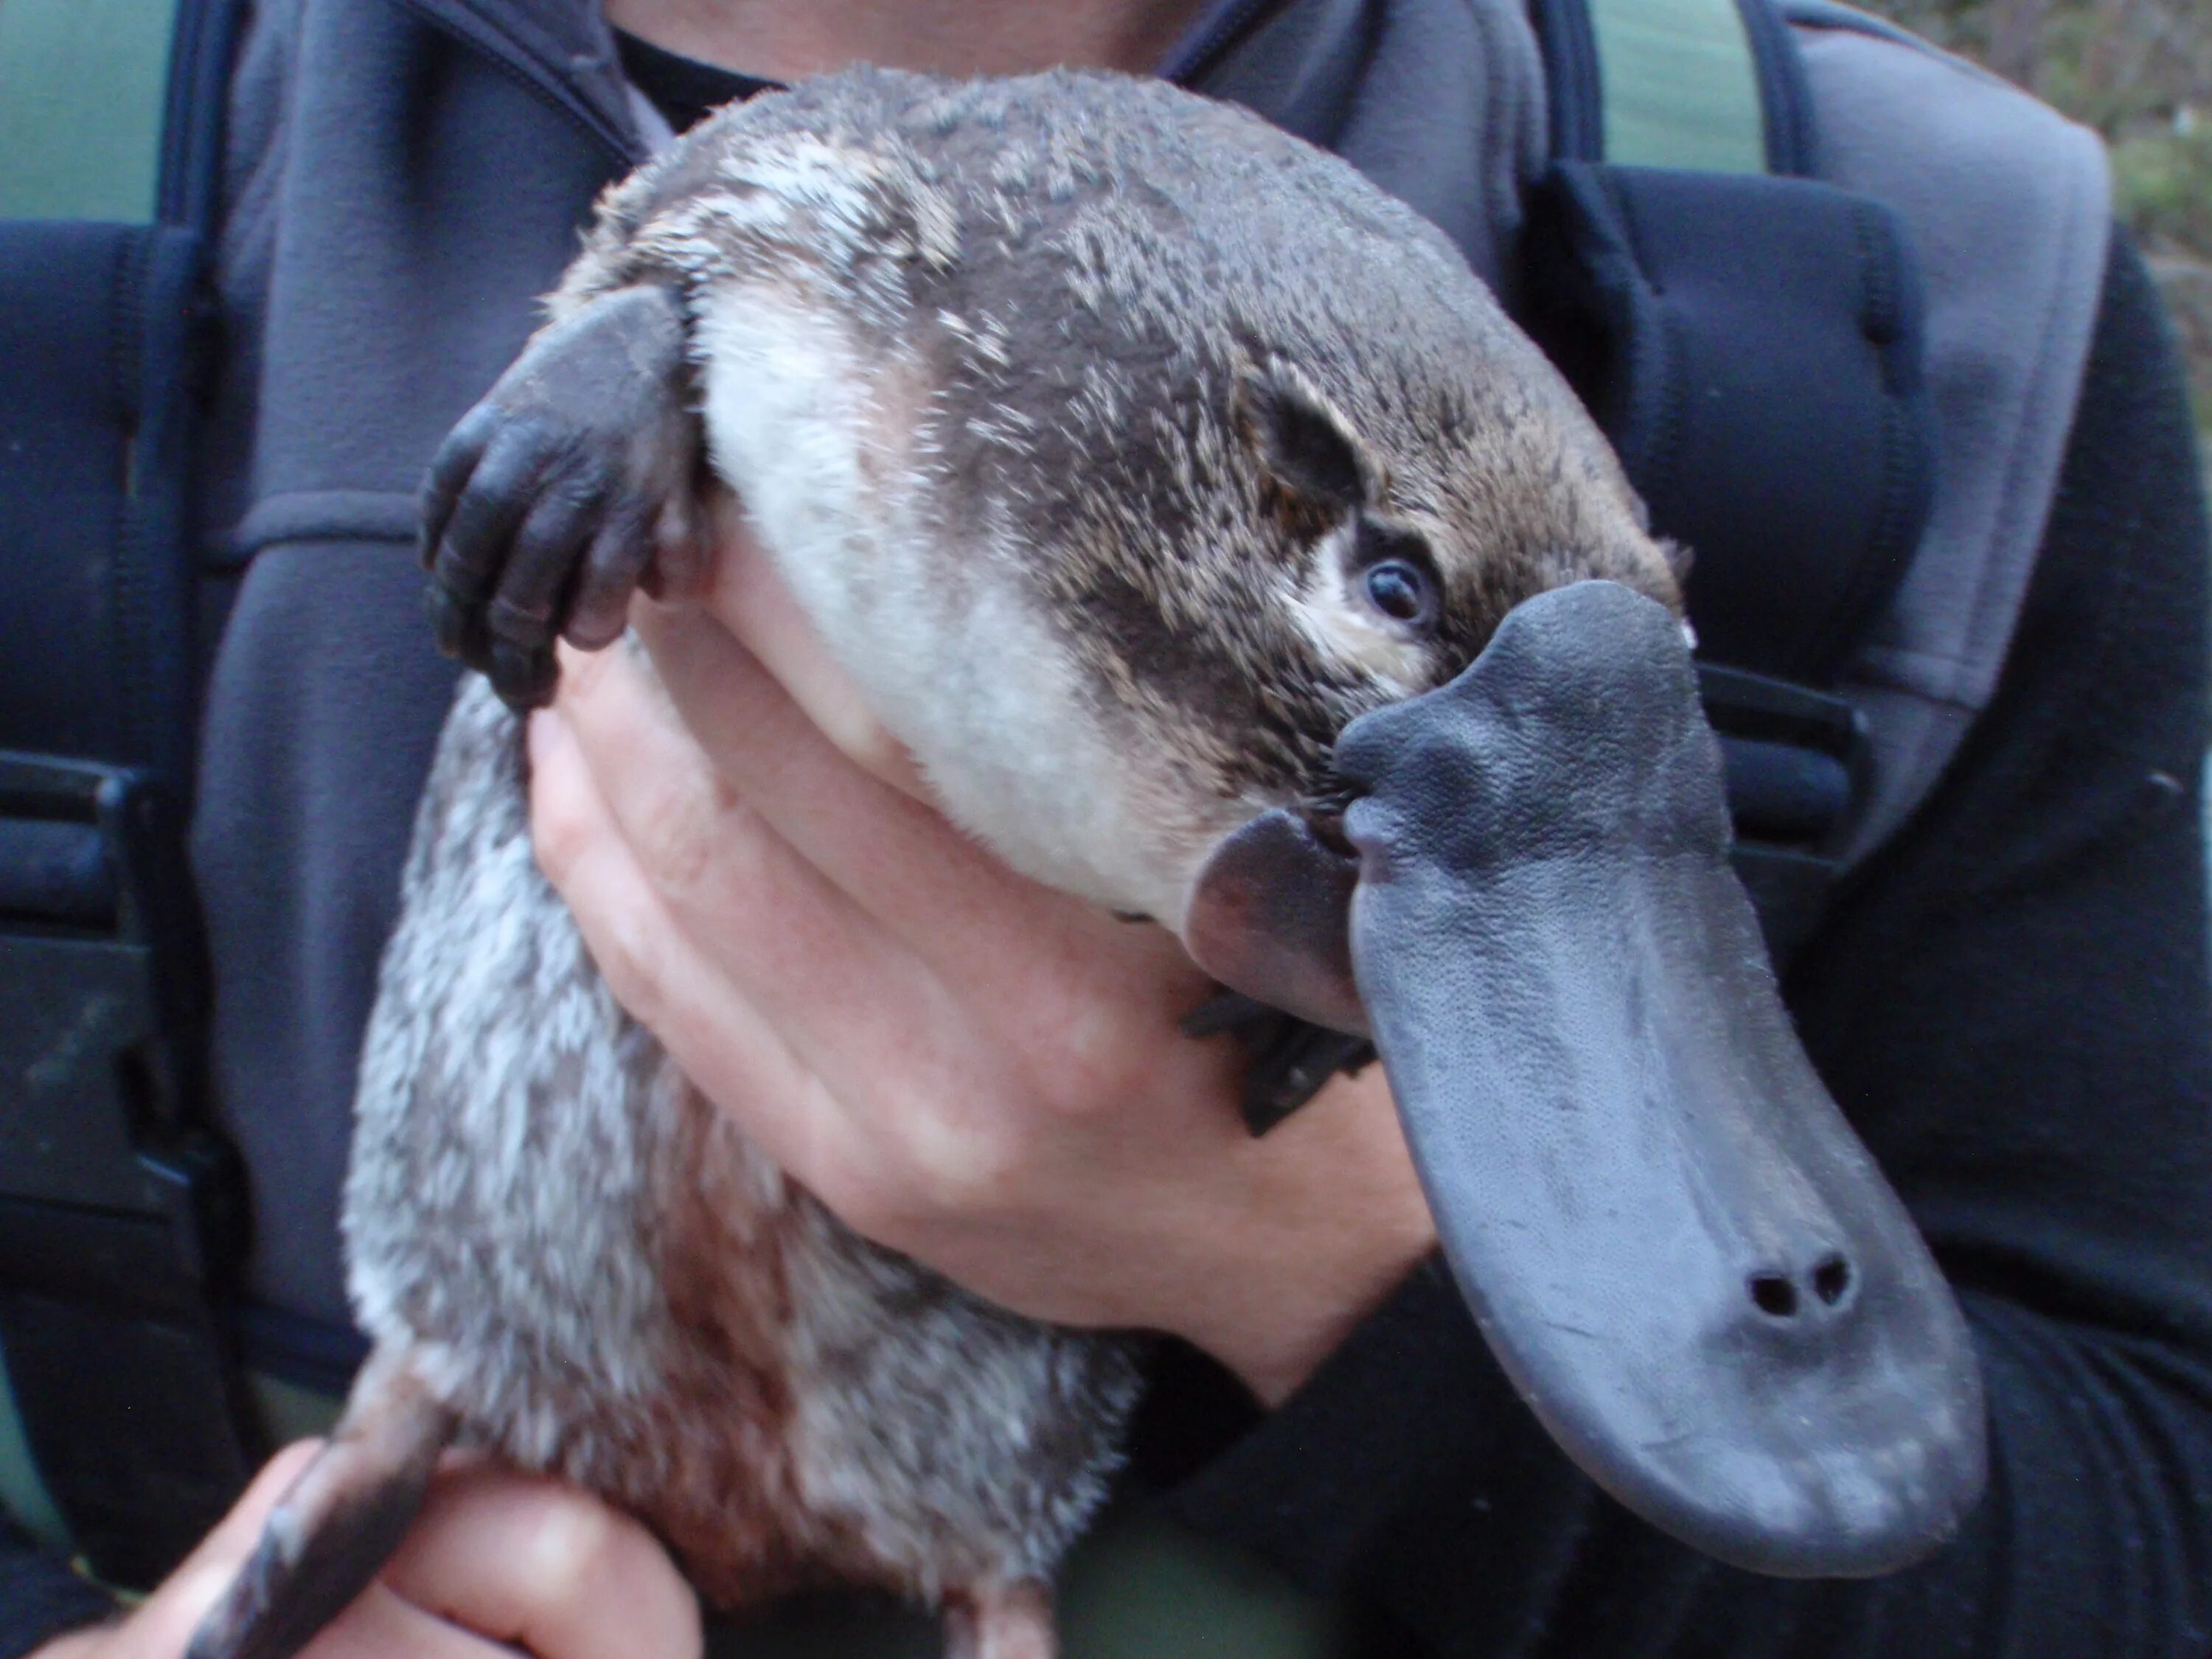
(545, 1567)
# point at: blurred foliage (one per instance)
(2140, 72)
(2121, 65)
(2188, 287)
(2164, 185)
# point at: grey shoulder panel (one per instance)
(1442, 105)
(2009, 206)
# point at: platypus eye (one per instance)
(1400, 590)
(1391, 570)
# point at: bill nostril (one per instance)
(1781, 1296)
(1775, 1295)
(1831, 1279)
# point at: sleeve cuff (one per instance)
(41, 1597)
(1405, 1471)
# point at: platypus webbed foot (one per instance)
(339, 1523)
(1000, 1621)
(568, 484)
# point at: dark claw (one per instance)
(450, 470)
(519, 656)
(613, 569)
(511, 625)
(541, 576)
(455, 623)
(475, 556)
(1287, 1060)
(523, 676)
(542, 502)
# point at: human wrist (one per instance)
(1336, 1219)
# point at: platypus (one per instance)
(1226, 557)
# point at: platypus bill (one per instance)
(1224, 555)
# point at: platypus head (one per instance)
(1225, 555)
(1353, 572)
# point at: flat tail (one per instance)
(332, 1532)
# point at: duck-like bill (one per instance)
(1675, 1244)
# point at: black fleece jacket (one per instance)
(2011, 1004)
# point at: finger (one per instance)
(781, 936)
(544, 1565)
(523, 676)
(863, 834)
(381, 1623)
(1005, 939)
(656, 967)
(898, 1072)
(785, 934)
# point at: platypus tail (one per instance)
(338, 1523)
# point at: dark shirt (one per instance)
(683, 89)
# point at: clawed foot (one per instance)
(574, 482)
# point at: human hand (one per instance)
(965, 1066)
(496, 1562)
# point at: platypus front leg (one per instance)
(1000, 1621)
(339, 1523)
(573, 480)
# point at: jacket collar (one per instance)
(1440, 103)
(563, 47)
